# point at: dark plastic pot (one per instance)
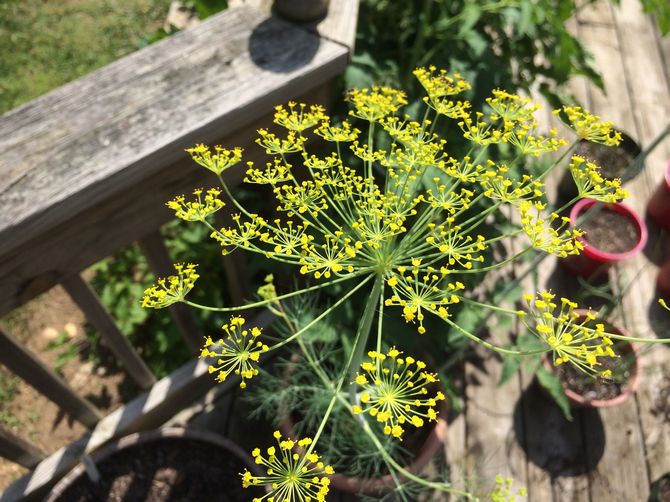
(663, 280)
(579, 401)
(659, 204)
(593, 261)
(567, 188)
(301, 10)
(58, 493)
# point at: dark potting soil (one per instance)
(610, 231)
(174, 469)
(595, 388)
(612, 160)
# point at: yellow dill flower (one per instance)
(274, 173)
(663, 304)
(560, 241)
(522, 137)
(588, 126)
(171, 289)
(395, 391)
(237, 353)
(292, 475)
(500, 188)
(242, 236)
(590, 184)
(511, 107)
(289, 240)
(277, 146)
(503, 491)
(221, 160)
(199, 209)
(334, 256)
(440, 86)
(375, 103)
(568, 334)
(304, 198)
(338, 134)
(298, 117)
(479, 131)
(456, 247)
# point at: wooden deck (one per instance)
(613, 454)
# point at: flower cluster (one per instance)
(291, 476)
(237, 353)
(395, 391)
(384, 201)
(568, 333)
(199, 209)
(591, 185)
(589, 126)
(171, 289)
(217, 162)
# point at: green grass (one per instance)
(46, 43)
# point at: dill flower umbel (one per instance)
(237, 353)
(589, 126)
(591, 185)
(292, 475)
(568, 333)
(171, 289)
(199, 209)
(395, 391)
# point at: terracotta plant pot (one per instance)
(378, 486)
(606, 158)
(659, 204)
(594, 260)
(301, 10)
(625, 350)
(144, 445)
(663, 280)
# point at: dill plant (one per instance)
(403, 225)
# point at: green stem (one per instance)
(272, 300)
(363, 333)
(321, 316)
(493, 347)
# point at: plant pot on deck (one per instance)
(659, 204)
(301, 10)
(583, 390)
(612, 160)
(612, 233)
(166, 464)
(663, 280)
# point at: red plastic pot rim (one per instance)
(620, 208)
(667, 176)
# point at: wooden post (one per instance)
(157, 255)
(82, 294)
(45, 381)
(17, 450)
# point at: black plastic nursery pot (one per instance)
(166, 464)
(301, 10)
(614, 232)
(658, 208)
(612, 160)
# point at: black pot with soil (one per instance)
(614, 162)
(168, 464)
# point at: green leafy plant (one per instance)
(395, 229)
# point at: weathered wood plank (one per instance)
(650, 104)
(493, 445)
(45, 381)
(86, 299)
(17, 450)
(153, 248)
(150, 410)
(125, 126)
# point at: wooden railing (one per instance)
(85, 170)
